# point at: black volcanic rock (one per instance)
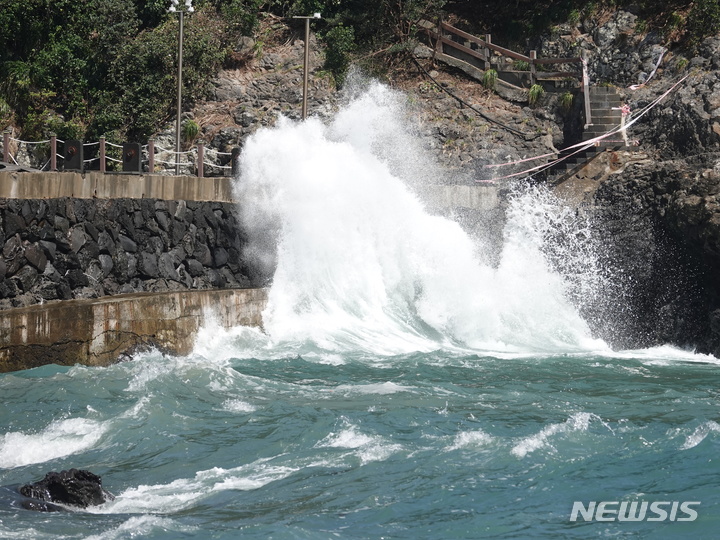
(74, 487)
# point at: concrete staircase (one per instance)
(606, 115)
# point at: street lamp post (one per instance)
(176, 7)
(306, 59)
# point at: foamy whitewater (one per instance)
(405, 385)
(361, 264)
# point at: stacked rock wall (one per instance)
(58, 249)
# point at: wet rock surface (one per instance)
(74, 487)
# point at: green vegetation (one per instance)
(565, 101)
(189, 131)
(108, 67)
(681, 63)
(535, 93)
(703, 20)
(490, 79)
(521, 65)
(340, 42)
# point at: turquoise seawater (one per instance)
(431, 445)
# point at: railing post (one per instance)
(201, 158)
(234, 162)
(6, 146)
(151, 156)
(488, 52)
(53, 152)
(586, 89)
(438, 41)
(102, 155)
(533, 68)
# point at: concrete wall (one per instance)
(94, 185)
(97, 332)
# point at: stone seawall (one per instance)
(68, 248)
(99, 332)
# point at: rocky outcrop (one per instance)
(659, 225)
(77, 488)
(267, 84)
(653, 291)
(659, 221)
(58, 249)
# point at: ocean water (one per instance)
(403, 386)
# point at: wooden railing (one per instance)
(130, 156)
(484, 50)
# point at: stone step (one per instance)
(574, 160)
(594, 131)
(606, 117)
(603, 125)
(600, 128)
(611, 139)
(606, 103)
(602, 117)
(602, 90)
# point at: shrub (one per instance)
(6, 113)
(490, 79)
(703, 20)
(65, 130)
(340, 42)
(535, 93)
(189, 131)
(241, 15)
(565, 101)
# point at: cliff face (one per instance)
(660, 219)
(657, 220)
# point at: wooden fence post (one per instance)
(103, 166)
(533, 67)
(488, 52)
(6, 146)
(151, 156)
(53, 152)
(201, 158)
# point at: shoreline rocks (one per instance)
(74, 487)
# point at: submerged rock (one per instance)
(73, 487)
